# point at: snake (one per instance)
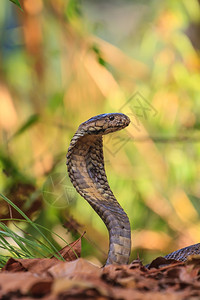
(85, 164)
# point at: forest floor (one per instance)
(76, 278)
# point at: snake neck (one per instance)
(87, 173)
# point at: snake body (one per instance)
(86, 170)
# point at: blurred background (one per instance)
(62, 62)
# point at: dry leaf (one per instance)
(23, 283)
(52, 279)
(35, 265)
(160, 262)
(78, 268)
(71, 251)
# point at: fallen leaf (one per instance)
(71, 251)
(62, 285)
(160, 261)
(23, 283)
(78, 268)
(52, 279)
(35, 265)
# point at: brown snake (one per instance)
(85, 164)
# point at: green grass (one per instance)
(25, 245)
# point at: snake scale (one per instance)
(86, 170)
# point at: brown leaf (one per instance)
(71, 251)
(188, 275)
(52, 279)
(23, 283)
(34, 265)
(67, 287)
(160, 262)
(78, 268)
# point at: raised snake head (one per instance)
(104, 124)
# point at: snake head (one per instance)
(105, 123)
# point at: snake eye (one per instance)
(111, 118)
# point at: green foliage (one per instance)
(17, 3)
(23, 243)
(28, 246)
(27, 124)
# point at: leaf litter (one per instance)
(77, 278)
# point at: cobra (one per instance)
(86, 170)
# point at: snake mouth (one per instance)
(123, 125)
(118, 126)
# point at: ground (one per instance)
(77, 278)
